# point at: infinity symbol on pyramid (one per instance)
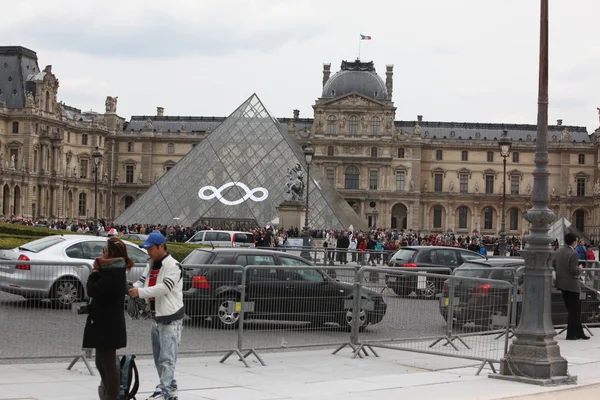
(213, 192)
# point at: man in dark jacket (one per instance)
(568, 271)
(342, 248)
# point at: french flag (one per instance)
(364, 37)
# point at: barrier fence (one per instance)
(245, 310)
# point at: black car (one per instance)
(273, 294)
(429, 258)
(480, 303)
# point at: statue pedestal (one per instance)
(292, 214)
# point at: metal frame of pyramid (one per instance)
(238, 173)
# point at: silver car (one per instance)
(63, 285)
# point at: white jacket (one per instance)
(167, 292)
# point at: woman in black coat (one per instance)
(105, 326)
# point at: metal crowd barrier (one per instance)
(242, 311)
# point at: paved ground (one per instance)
(314, 374)
(591, 392)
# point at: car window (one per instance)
(198, 257)
(210, 236)
(41, 244)
(504, 275)
(197, 237)
(223, 259)
(241, 260)
(404, 254)
(74, 251)
(92, 249)
(261, 273)
(256, 259)
(223, 237)
(243, 238)
(471, 255)
(472, 270)
(137, 255)
(427, 256)
(446, 257)
(292, 261)
(303, 275)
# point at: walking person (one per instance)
(352, 247)
(162, 284)
(105, 325)
(342, 248)
(568, 271)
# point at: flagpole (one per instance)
(359, 44)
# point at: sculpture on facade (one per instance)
(528, 188)
(29, 100)
(111, 103)
(417, 130)
(117, 177)
(411, 185)
(553, 191)
(425, 186)
(12, 162)
(75, 171)
(141, 177)
(597, 188)
(294, 187)
(566, 135)
(1, 162)
(105, 177)
(476, 187)
(569, 190)
(451, 187)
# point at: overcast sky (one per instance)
(459, 60)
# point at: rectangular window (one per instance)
(330, 173)
(580, 187)
(373, 178)
(400, 177)
(514, 219)
(463, 212)
(488, 218)
(129, 174)
(490, 156)
(439, 155)
(489, 184)
(438, 182)
(332, 126)
(401, 153)
(514, 184)
(515, 157)
(464, 155)
(84, 139)
(15, 127)
(68, 137)
(130, 147)
(464, 183)
(83, 170)
(375, 126)
(437, 217)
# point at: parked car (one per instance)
(134, 236)
(63, 285)
(277, 294)
(478, 303)
(429, 258)
(223, 238)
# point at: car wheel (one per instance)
(226, 316)
(402, 291)
(429, 291)
(66, 292)
(349, 320)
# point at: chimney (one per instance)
(559, 122)
(389, 80)
(160, 111)
(296, 114)
(420, 118)
(326, 73)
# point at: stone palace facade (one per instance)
(421, 175)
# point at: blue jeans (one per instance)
(165, 346)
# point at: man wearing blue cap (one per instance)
(162, 284)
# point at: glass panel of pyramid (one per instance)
(250, 149)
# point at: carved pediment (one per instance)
(84, 155)
(438, 170)
(464, 171)
(515, 172)
(353, 100)
(582, 174)
(490, 172)
(129, 161)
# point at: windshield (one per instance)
(243, 238)
(472, 270)
(41, 244)
(198, 257)
(404, 254)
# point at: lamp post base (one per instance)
(554, 381)
(306, 245)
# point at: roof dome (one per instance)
(356, 77)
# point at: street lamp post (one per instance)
(504, 143)
(309, 152)
(96, 156)
(534, 355)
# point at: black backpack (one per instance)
(128, 374)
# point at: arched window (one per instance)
(353, 125)
(513, 217)
(437, 216)
(330, 151)
(332, 125)
(171, 148)
(374, 151)
(463, 213)
(130, 147)
(352, 176)
(128, 201)
(488, 218)
(580, 220)
(47, 105)
(375, 123)
(82, 203)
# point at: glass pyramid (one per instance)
(247, 149)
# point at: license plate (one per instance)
(446, 301)
(421, 281)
